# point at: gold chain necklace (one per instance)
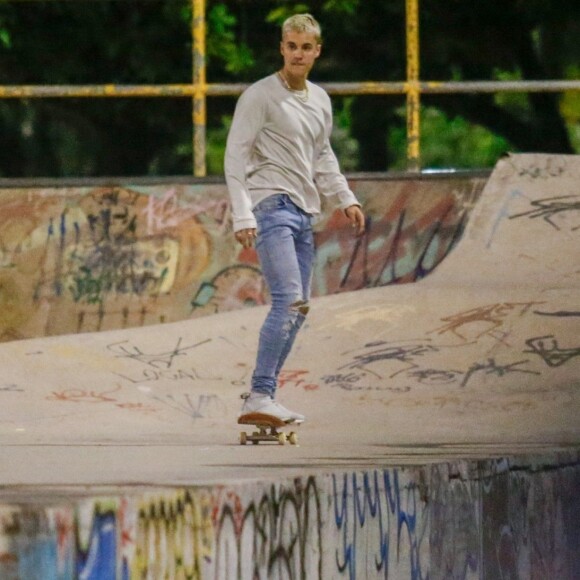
(301, 94)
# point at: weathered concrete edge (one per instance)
(51, 182)
(462, 469)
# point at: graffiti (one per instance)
(92, 397)
(233, 288)
(501, 215)
(455, 506)
(84, 396)
(350, 382)
(275, 536)
(435, 376)
(165, 212)
(244, 369)
(110, 214)
(138, 407)
(152, 375)
(168, 210)
(548, 349)
(93, 249)
(110, 259)
(342, 379)
(529, 533)
(162, 360)
(295, 378)
(97, 543)
(378, 519)
(398, 245)
(172, 537)
(37, 541)
(388, 315)
(454, 519)
(383, 351)
(11, 389)
(559, 313)
(92, 287)
(547, 167)
(205, 407)
(492, 368)
(491, 317)
(116, 257)
(549, 208)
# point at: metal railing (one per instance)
(412, 88)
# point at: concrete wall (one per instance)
(90, 258)
(487, 520)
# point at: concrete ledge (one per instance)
(507, 518)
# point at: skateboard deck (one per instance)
(267, 430)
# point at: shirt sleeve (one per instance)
(327, 175)
(248, 120)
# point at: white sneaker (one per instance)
(297, 417)
(264, 405)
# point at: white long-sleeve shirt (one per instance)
(280, 144)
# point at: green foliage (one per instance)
(518, 104)
(5, 39)
(222, 43)
(570, 107)
(216, 146)
(280, 13)
(141, 42)
(449, 142)
(345, 146)
(345, 7)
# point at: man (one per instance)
(278, 160)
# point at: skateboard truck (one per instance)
(268, 433)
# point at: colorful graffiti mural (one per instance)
(463, 520)
(88, 259)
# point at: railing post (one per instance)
(200, 88)
(412, 88)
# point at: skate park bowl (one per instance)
(439, 371)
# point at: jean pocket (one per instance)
(272, 203)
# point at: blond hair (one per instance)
(302, 23)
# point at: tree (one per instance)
(518, 39)
(142, 42)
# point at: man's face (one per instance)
(299, 50)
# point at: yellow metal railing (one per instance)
(412, 88)
(198, 32)
(199, 89)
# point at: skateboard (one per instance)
(268, 430)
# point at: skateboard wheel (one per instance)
(281, 438)
(243, 438)
(293, 438)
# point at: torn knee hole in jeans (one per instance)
(300, 306)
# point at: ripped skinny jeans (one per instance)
(285, 246)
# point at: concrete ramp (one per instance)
(524, 229)
(483, 355)
(478, 361)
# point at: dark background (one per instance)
(149, 42)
